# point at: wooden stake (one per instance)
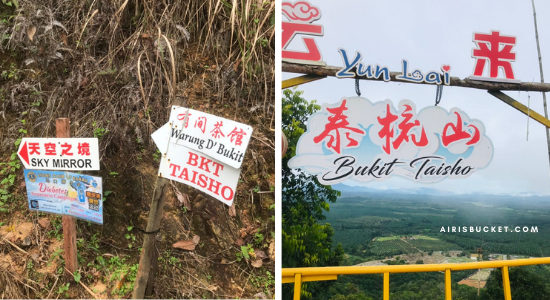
(154, 267)
(153, 223)
(69, 223)
(145, 271)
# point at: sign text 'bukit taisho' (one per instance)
(363, 141)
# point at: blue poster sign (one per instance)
(65, 193)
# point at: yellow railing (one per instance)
(299, 275)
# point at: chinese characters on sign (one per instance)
(494, 51)
(363, 141)
(222, 139)
(300, 15)
(59, 153)
(65, 193)
(206, 155)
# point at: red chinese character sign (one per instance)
(59, 153)
(494, 53)
(300, 15)
(362, 141)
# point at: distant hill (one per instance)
(349, 191)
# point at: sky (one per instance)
(430, 34)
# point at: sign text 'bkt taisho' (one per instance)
(363, 141)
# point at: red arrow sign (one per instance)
(24, 154)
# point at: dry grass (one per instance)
(118, 65)
(10, 286)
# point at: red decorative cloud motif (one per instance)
(301, 11)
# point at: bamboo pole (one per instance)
(541, 76)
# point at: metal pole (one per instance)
(386, 286)
(297, 286)
(448, 295)
(506, 283)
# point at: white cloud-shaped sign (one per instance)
(363, 141)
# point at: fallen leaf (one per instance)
(185, 245)
(239, 242)
(257, 263)
(260, 254)
(188, 244)
(30, 32)
(45, 223)
(107, 255)
(232, 211)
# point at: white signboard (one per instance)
(59, 153)
(359, 141)
(200, 171)
(222, 139)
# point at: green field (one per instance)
(371, 226)
(392, 247)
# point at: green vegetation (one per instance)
(378, 225)
(306, 243)
(376, 240)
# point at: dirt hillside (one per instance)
(110, 67)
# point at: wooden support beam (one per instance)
(315, 70)
(62, 129)
(522, 108)
(300, 80)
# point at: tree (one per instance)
(298, 187)
(526, 283)
(306, 243)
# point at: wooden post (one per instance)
(153, 223)
(154, 268)
(147, 268)
(69, 223)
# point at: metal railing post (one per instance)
(506, 283)
(299, 275)
(386, 286)
(448, 285)
(297, 286)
